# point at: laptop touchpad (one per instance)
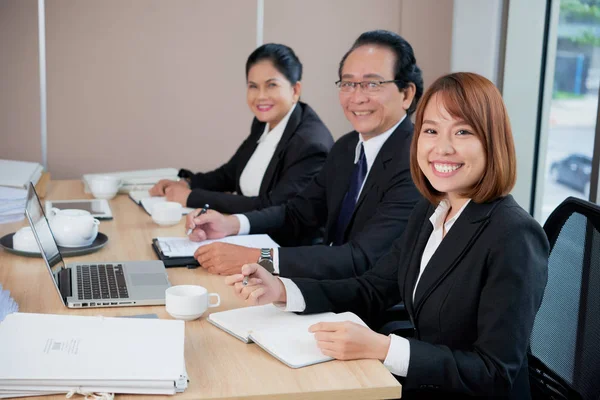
(148, 279)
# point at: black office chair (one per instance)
(564, 356)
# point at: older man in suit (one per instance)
(364, 193)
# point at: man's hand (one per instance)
(262, 287)
(212, 225)
(350, 341)
(178, 194)
(225, 258)
(163, 184)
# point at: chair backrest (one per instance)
(564, 358)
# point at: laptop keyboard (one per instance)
(102, 281)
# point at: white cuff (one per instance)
(276, 261)
(295, 300)
(244, 224)
(398, 355)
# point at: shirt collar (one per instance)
(440, 213)
(278, 130)
(373, 145)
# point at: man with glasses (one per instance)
(364, 193)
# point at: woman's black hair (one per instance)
(283, 58)
(405, 69)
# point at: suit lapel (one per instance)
(344, 166)
(288, 133)
(415, 260)
(385, 155)
(455, 244)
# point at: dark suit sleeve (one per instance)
(302, 163)
(299, 216)
(361, 252)
(367, 296)
(222, 179)
(512, 293)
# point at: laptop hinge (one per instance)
(64, 283)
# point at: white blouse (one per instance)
(254, 171)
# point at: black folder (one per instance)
(170, 262)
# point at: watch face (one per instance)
(267, 264)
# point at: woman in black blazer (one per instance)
(471, 265)
(287, 146)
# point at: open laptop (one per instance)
(96, 284)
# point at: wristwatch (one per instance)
(266, 260)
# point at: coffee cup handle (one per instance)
(218, 303)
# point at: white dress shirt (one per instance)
(254, 171)
(371, 149)
(398, 355)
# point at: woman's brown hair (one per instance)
(478, 102)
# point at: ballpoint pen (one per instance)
(245, 280)
(203, 211)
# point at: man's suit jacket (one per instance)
(298, 157)
(474, 305)
(380, 215)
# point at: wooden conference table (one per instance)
(219, 365)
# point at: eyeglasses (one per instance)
(367, 87)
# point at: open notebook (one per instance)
(282, 334)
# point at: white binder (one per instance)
(48, 353)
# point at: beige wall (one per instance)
(320, 32)
(19, 81)
(150, 83)
(146, 83)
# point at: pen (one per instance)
(245, 280)
(203, 211)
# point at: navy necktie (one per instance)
(356, 181)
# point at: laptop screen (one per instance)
(43, 234)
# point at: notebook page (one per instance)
(242, 322)
(183, 247)
(19, 173)
(292, 343)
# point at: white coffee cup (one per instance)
(166, 213)
(23, 240)
(188, 302)
(104, 186)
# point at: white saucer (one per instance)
(185, 317)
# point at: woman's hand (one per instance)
(350, 341)
(163, 184)
(262, 287)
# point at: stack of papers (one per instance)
(7, 304)
(12, 204)
(18, 174)
(183, 247)
(136, 180)
(44, 353)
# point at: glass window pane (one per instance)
(574, 104)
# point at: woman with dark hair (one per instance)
(471, 265)
(287, 145)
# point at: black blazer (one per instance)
(298, 157)
(380, 215)
(474, 306)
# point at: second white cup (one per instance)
(166, 213)
(189, 302)
(104, 186)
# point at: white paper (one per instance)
(149, 202)
(18, 174)
(183, 247)
(71, 348)
(136, 180)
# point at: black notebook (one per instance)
(170, 262)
